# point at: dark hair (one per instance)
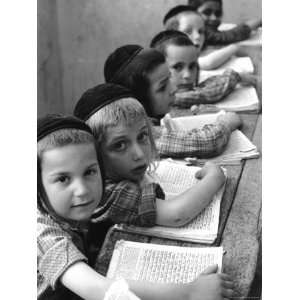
(177, 10)
(197, 3)
(133, 73)
(170, 37)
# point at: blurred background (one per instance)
(76, 36)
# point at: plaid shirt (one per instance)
(210, 91)
(57, 249)
(208, 141)
(236, 34)
(128, 202)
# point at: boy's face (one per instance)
(212, 13)
(72, 180)
(182, 61)
(126, 151)
(193, 25)
(161, 90)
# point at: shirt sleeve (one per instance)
(205, 142)
(127, 202)
(55, 250)
(215, 37)
(210, 91)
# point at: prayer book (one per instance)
(175, 178)
(238, 64)
(241, 99)
(238, 148)
(161, 263)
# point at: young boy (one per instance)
(123, 130)
(181, 56)
(70, 186)
(212, 12)
(187, 20)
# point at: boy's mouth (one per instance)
(83, 204)
(185, 86)
(140, 170)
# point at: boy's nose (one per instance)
(137, 152)
(186, 74)
(81, 188)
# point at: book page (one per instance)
(175, 178)
(238, 64)
(198, 121)
(241, 99)
(161, 263)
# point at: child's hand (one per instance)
(248, 79)
(231, 119)
(254, 23)
(211, 286)
(211, 169)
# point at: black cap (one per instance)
(54, 122)
(99, 96)
(177, 10)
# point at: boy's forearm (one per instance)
(157, 291)
(85, 282)
(186, 206)
(217, 58)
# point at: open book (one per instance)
(161, 263)
(174, 179)
(238, 64)
(239, 146)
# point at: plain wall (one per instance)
(76, 36)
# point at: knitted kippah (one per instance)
(177, 10)
(119, 59)
(54, 122)
(99, 96)
(163, 36)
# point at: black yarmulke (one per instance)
(99, 96)
(119, 59)
(177, 10)
(54, 122)
(166, 35)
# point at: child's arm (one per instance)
(186, 206)
(90, 285)
(215, 37)
(217, 57)
(254, 23)
(210, 91)
(205, 142)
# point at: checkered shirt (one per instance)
(127, 202)
(56, 251)
(236, 34)
(210, 91)
(205, 142)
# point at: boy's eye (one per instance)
(91, 172)
(63, 179)
(208, 12)
(193, 66)
(143, 137)
(119, 146)
(177, 67)
(162, 88)
(188, 31)
(201, 31)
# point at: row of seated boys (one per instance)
(95, 169)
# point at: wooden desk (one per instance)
(240, 237)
